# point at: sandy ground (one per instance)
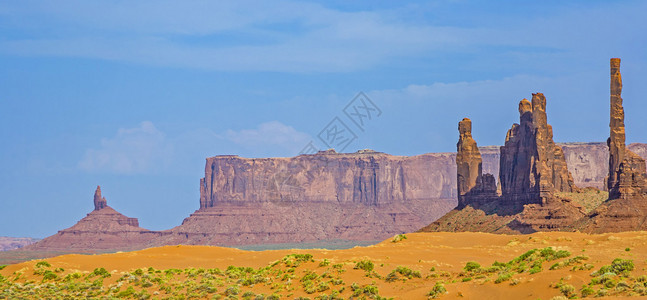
(447, 253)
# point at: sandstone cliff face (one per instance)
(11, 243)
(102, 229)
(325, 196)
(366, 178)
(532, 167)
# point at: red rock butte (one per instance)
(102, 229)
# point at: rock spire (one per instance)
(99, 202)
(626, 169)
(532, 166)
(472, 185)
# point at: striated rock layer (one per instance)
(11, 243)
(325, 196)
(103, 229)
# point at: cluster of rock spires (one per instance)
(533, 172)
(370, 195)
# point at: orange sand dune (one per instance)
(447, 253)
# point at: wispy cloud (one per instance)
(272, 134)
(146, 150)
(285, 36)
(132, 150)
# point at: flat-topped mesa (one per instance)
(626, 169)
(99, 202)
(532, 166)
(473, 187)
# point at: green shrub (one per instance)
(437, 291)
(503, 277)
(404, 271)
(524, 256)
(618, 266)
(146, 284)
(100, 272)
(398, 238)
(365, 265)
(127, 293)
(567, 290)
(536, 268)
(49, 275)
(466, 279)
(391, 277)
(471, 266)
(370, 290)
(322, 287)
(587, 291)
(232, 290)
(2, 267)
(309, 276)
(324, 263)
(42, 263)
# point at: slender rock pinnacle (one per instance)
(616, 139)
(468, 161)
(627, 176)
(473, 187)
(99, 202)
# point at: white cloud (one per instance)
(269, 135)
(132, 150)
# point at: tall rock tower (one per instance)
(626, 169)
(616, 141)
(532, 167)
(473, 187)
(99, 202)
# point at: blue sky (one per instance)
(135, 95)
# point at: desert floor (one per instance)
(424, 265)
